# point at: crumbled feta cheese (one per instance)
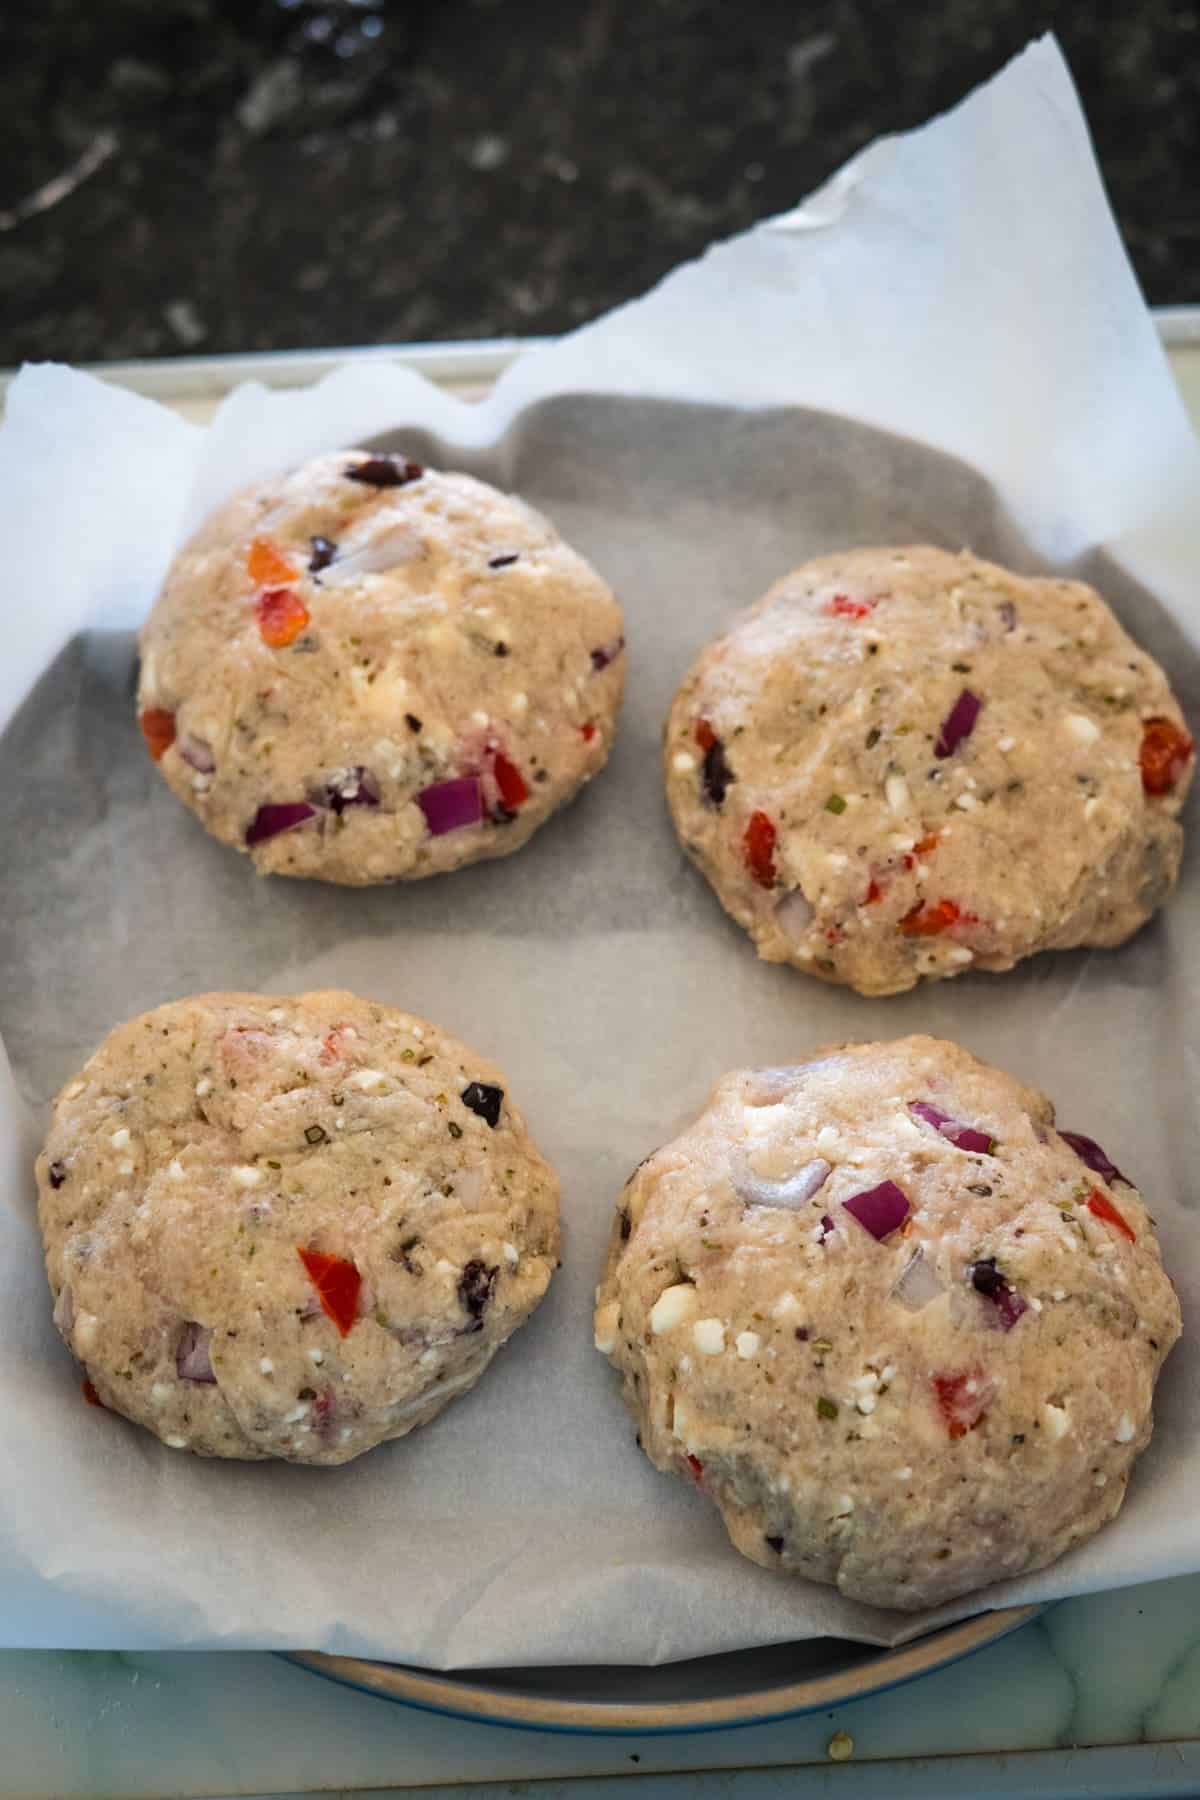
(1083, 729)
(296, 1414)
(1091, 807)
(366, 1079)
(959, 953)
(120, 1138)
(786, 1303)
(896, 790)
(837, 861)
(1006, 744)
(428, 1359)
(519, 704)
(1124, 1432)
(1059, 1294)
(316, 1356)
(203, 1086)
(512, 1255)
(866, 1403)
(887, 1373)
(608, 1321)
(161, 1392)
(85, 1332)
(708, 1335)
(748, 1343)
(966, 802)
(845, 1507)
(865, 1384)
(673, 1306)
(1100, 1479)
(176, 1443)
(175, 1169)
(903, 1474)
(682, 763)
(246, 1176)
(1057, 1421)
(73, 1092)
(277, 1014)
(125, 1168)
(479, 718)
(266, 1365)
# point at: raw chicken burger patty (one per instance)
(907, 763)
(367, 671)
(900, 1330)
(290, 1227)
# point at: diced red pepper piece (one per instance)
(922, 847)
(587, 732)
(509, 780)
(332, 1047)
(1102, 1206)
(931, 920)
(843, 607)
(282, 616)
(1164, 754)
(267, 566)
(758, 847)
(158, 729)
(962, 1400)
(697, 1469)
(91, 1396)
(337, 1283)
(874, 893)
(706, 737)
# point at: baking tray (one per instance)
(708, 1693)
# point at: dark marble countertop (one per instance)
(217, 175)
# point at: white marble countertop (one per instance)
(1110, 1670)
(1098, 1697)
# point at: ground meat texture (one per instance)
(939, 766)
(896, 1365)
(367, 671)
(263, 1240)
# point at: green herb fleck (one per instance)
(835, 804)
(822, 1344)
(454, 1129)
(826, 1408)
(408, 1056)
(313, 1134)
(873, 737)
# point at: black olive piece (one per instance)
(385, 471)
(323, 552)
(475, 1286)
(501, 562)
(717, 773)
(58, 1174)
(480, 1098)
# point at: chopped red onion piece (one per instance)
(449, 805)
(64, 1312)
(879, 1210)
(958, 724)
(794, 914)
(398, 544)
(198, 753)
(796, 1191)
(827, 1228)
(606, 653)
(919, 1285)
(987, 1280)
(963, 1137)
(1089, 1153)
(278, 816)
(191, 1354)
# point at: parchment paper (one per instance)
(946, 345)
